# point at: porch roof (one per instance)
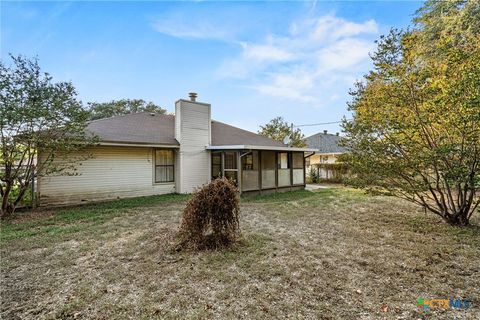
(252, 147)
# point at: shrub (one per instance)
(210, 219)
(313, 176)
(336, 172)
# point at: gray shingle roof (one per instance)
(224, 134)
(145, 128)
(325, 143)
(136, 128)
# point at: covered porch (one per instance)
(261, 170)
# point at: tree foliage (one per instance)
(35, 115)
(278, 129)
(122, 107)
(416, 127)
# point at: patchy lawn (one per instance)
(327, 254)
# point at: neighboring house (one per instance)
(328, 146)
(146, 154)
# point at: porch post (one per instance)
(222, 169)
(239, 172)
(290, 160)
(276, 171)
(304, 171)
(260, 171)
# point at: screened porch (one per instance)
(258, 171)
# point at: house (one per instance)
(145, 154)
(328, 149)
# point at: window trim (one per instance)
(163, 165)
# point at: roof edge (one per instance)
(137, 144)
(273, 148)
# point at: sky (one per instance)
(252, 61)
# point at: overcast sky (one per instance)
(251, 60)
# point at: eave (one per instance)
(250, 147)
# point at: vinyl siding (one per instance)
(323, 158)
(194, 135)
(112, 172)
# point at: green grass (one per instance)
(74, 219)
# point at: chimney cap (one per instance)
(193, 96)
(325, 131)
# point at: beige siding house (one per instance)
(148, 154)
(328, 149)
(111, 172)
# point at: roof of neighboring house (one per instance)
(325, 143)
(159, 129)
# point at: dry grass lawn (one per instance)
(328, 254)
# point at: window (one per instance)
(283, 165)
(230, 160)
(250, 178)
(216, 165)
(226, 167)
(164, 166)
(268, 169)
(250, 161)
(297, 164)
(297, 160)
(283, 160)
(231, 169)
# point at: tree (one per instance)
(36, 115)
(278, 129)
(416, 127)
(122, 107)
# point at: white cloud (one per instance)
(343, 54)
(289, 85)
(266, 53)
(198, 23)
(332, 28)
(308, 63)
(199, 29)
(313, 59)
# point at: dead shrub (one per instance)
(210, 219)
